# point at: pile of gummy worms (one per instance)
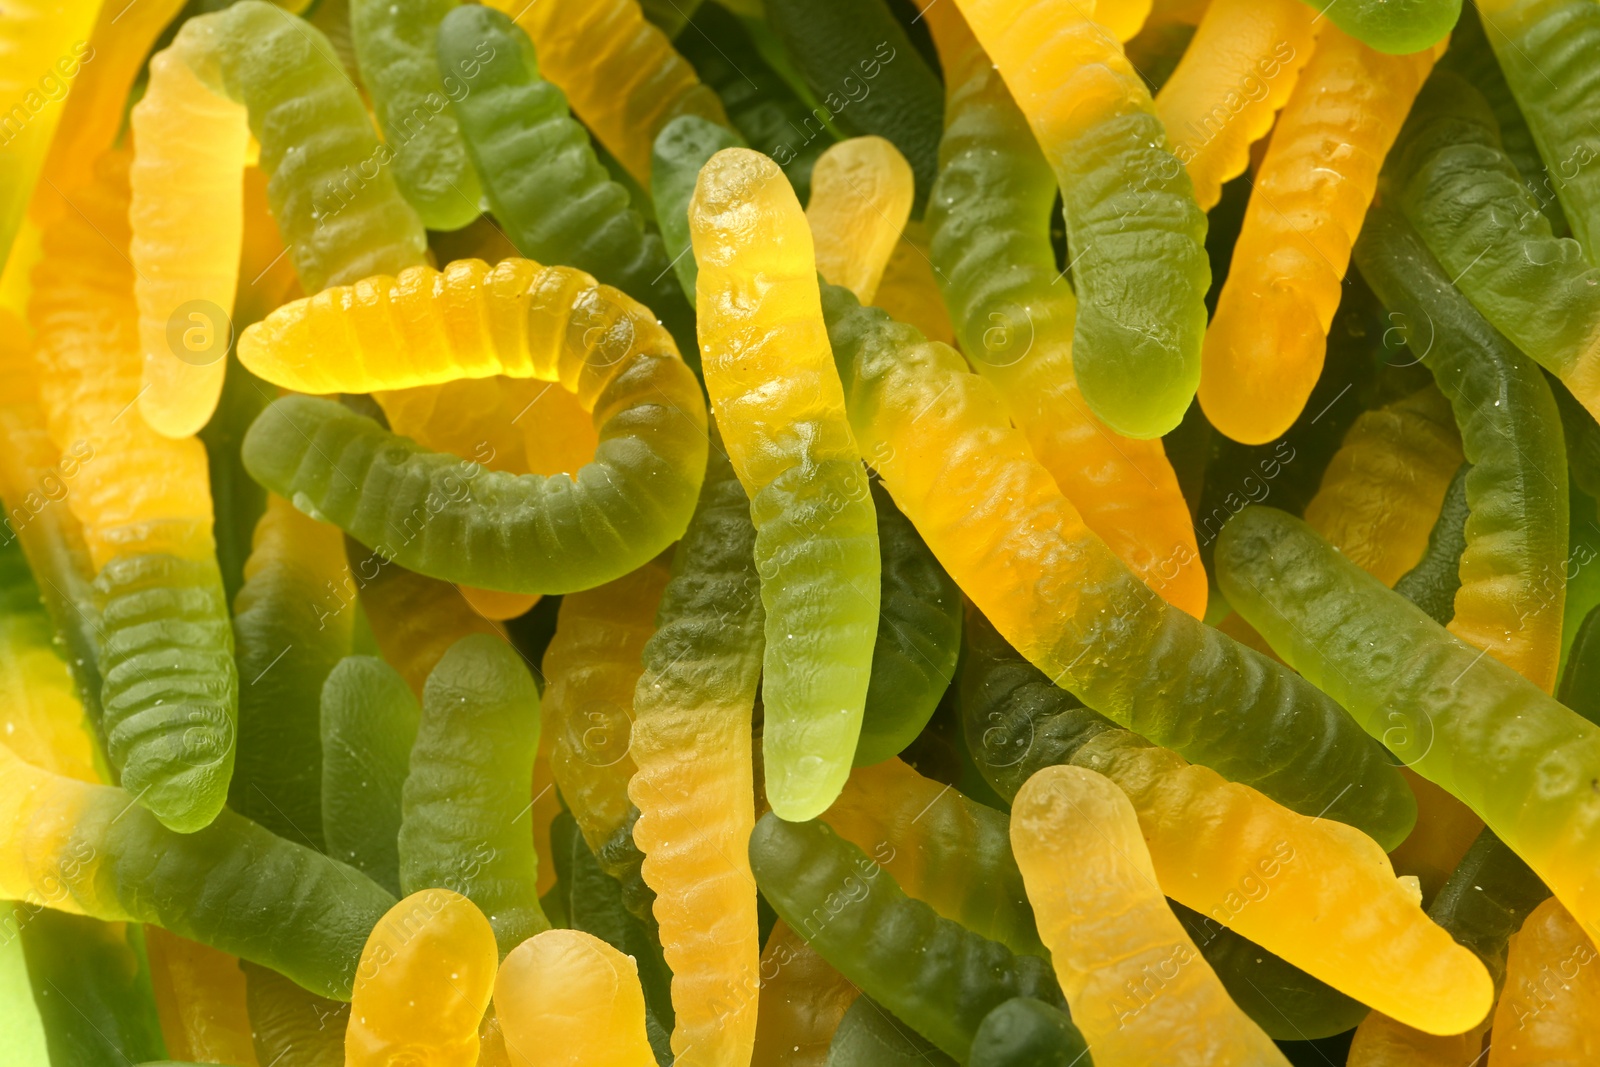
(834, 533)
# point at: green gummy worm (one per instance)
(868, 1036)
(396, 49)
(1397, 27)
(939, 977)
(1024, 1032)
(467, 815)
(543, 181)
(91, 984)
(681, 149)
(441, 516)
(369, 724)
(169, 690)
(1431, 585)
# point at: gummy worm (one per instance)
(860, 201)
(568, 999)
(781, 411)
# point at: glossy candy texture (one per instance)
(1552, 988)
(592, 669)
(782, 414)
(621, 73)
(989, 227)
(942, 848)
(1514, 567)
(1266, 343)
(1453, 180)
(1461, 719)
(201, 997)
(1110, 927)
(90, 849)
(544, 184)
(941, 441)
(292, 1027)
(491, 529)
(1136, 232)
(1385, 485)
(397, 51)
(1237, 71)
(251, 69)
(568, 999)
(34, 39)
(683, 147)
(939, 977)
(465, 808)
(1024, 1032)
(1398, 27)
(369, 723)
(288, 637)
(860, 201)
(694, 786)
(165, 647)
(863, 69)
(1545, 48)
(919, 637)
(414, 620)
(426, 975)
(1229, 853)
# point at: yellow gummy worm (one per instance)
(1384, 487)
(414, 619)
(1279, 878)
(41, 718)
(1382, 1042)
(1139, 990)
(1264, 350)
(1552, 997)
(1123, 18)
(425, 978)
(620, 72)
(1236, 73)
(802, 1001)
(141, 491)
(861, 192)
(567, 999)
(780, 406)
(591, 669)
(43, 46)
(200, 1000)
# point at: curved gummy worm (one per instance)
(781, 412)
(35, 37)
(288, 635)
(802, 1003)
(1454, 181)
(567, 999)
(1258, 46)
(1111, 925)
(1207, 838)
(396, 50)
(860, 201)
(592, 668)
(1266, 344)
(919, 637)
(694, 786)
(1024, 1032)
(941, 440)
(1383, 489)
(942, 848)
(91, 849)
(1459, 718)
(1536, 1024)
(455, 520)
(546, 188)
(989, 224)
(1136, 232)
(433, 948)
(619, 71)
(250, 69)
(932, 972)
(1514, 568)
(1398, 27)
(165, 646)
(369, 724)
(1544, 48)
(465, 822)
